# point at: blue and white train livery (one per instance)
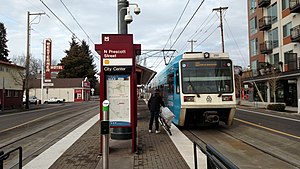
(198, 88)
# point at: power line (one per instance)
(182, 30)
(187, 24)
(207, 37)
(177, 23)
(77, 21)
(60, 21)
(193, 37)
(236, 43)
(65, 26)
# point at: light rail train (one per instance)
(198, 88)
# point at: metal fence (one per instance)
(4, 156)
(215, 160)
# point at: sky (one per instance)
(152, 28)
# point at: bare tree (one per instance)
(274, 74)
(19, 75)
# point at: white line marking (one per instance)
(286, 118)
(186, 149)
(48, 157)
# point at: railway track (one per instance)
(246, 150)
(44, 132)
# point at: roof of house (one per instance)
(58, 83)
(10, 64)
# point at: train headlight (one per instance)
(226, 98)
(189, 98)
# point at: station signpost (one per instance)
(118, 80)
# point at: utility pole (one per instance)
(192, 44)
(122, 25)
(221, 23)
(28, 58)
(42, 74)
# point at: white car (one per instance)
(32, 100)
(54, 100)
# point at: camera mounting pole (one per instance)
(122, 25)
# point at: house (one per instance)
(11, 85)
(70, 89)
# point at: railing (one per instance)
(264, 3)
(295, 33)
(264, 23)
(294, 5)
(214, 158)
(266, 47)
(4, 156)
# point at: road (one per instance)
(36, 130)
(257, 139)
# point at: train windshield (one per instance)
(207, 76)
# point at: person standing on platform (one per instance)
(154, 104)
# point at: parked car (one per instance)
(32, 100)
(54, 100)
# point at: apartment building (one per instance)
(274, 44)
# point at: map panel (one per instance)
(118, 94)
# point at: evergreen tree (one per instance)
(3, 47)
(78, 63)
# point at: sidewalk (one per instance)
(260, 105)
(155, 150)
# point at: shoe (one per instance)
(157, 131)
(150, 131)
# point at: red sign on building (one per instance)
(48, 53)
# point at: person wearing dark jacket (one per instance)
(154, 104)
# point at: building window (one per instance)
(253, 26)
(253, 47)
(273, 37)
(287, 29)
(285, 4)
(254, 67)
(272, 11)
(274, 60)
(252, 6)
(16, 93)
(7, 93)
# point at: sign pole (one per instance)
(105, 134)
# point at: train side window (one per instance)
(171, 83)
(177, 82)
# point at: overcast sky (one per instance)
(152, 28)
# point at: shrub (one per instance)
(276, 106)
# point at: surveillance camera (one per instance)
(137, 10)
(128, 19)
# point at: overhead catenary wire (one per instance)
(177, 23)
(60, 21)
(187, 24)
(65, 25)
(182, 30)
(76, 21)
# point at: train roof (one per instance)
(188, 56)
(205, 55)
